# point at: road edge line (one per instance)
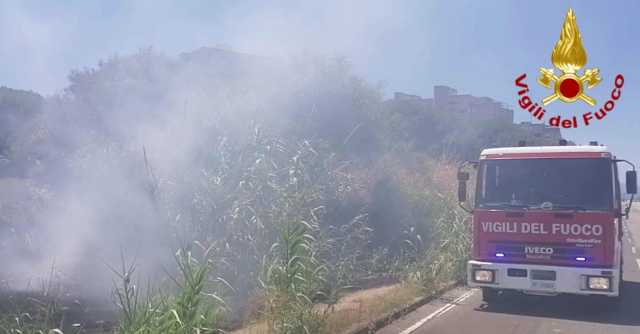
(444, 309)
(386, 319)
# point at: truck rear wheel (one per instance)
(489, 295)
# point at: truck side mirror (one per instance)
(631, 182)
(463, 177)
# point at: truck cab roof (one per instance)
(532, 152)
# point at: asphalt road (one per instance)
(461, 311)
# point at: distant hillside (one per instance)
(306, 98)
(17, 109)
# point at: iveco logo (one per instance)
(538, 250)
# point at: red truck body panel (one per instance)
(549, 237)
(544, 237)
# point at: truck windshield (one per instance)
(574, 184)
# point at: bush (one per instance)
(443, 258)
(188, 309)
(292, 280)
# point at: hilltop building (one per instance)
(473, 109)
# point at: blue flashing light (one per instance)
(581, 258)
(499, 254)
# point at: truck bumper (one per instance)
(545, 280)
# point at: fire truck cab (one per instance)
(547, 220)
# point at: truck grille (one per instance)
(540, 251)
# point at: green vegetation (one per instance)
(292, 278)
(190, 308)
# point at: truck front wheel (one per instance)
(610, 304)
(489, 295)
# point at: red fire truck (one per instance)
(547, 220)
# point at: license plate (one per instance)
(543, 285)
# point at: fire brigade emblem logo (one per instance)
(569, 56)
(569, 84)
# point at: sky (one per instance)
(477, 47)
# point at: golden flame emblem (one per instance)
(569, 56)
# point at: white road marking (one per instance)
(440, 312)
(633, 250)
(446, 310)
(638, 262)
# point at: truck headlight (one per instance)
(599, 283)
(483, 276)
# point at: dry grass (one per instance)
(365, 306)
(357, 308)
(260, 327)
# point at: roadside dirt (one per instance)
(356, 308)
